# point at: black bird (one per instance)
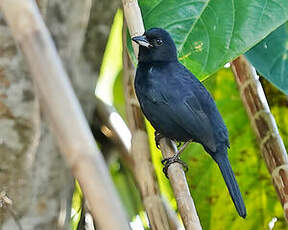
(179, 107)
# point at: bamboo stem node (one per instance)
(268, 136)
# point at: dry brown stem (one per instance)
(64, 112)
(178, 180)
(265, 127)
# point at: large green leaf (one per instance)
(270, 57)
(210, 33)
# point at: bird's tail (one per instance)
(231, 183)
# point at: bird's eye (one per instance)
(159, 42)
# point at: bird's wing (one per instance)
(179, 104)
(189, 114)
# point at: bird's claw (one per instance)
(171, 160)
(158, 136)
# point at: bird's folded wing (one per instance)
(190, 115)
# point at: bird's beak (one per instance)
(142, 41)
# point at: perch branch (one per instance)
(264, 125)
(64, 112)
(177, 176)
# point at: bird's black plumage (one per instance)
(179, 106)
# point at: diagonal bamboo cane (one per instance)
(176, 174)
(264, 125)
(64, 112)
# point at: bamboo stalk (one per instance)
(176, 174)
(64, 112)
(143, 167)
(134, 20)
(264, 125)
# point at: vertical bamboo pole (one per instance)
(176, 174)
(264, 125)
(65, 114)
(143, 167)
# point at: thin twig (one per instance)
(64, 112)
(177, 176)
(264, 125)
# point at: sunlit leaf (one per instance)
(112, 60)
(118, 95)
(76, 208)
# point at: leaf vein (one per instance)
(233, 25)
(274, 63)
(208, 47)
(177, 21)
(193, 25)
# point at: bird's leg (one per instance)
(158, 136)
(176, 158)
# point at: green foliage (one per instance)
(212, 200)
(210, 33)
(270, 57)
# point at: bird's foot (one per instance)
(158, 137)
(171, 160)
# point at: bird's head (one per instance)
(156, 45)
